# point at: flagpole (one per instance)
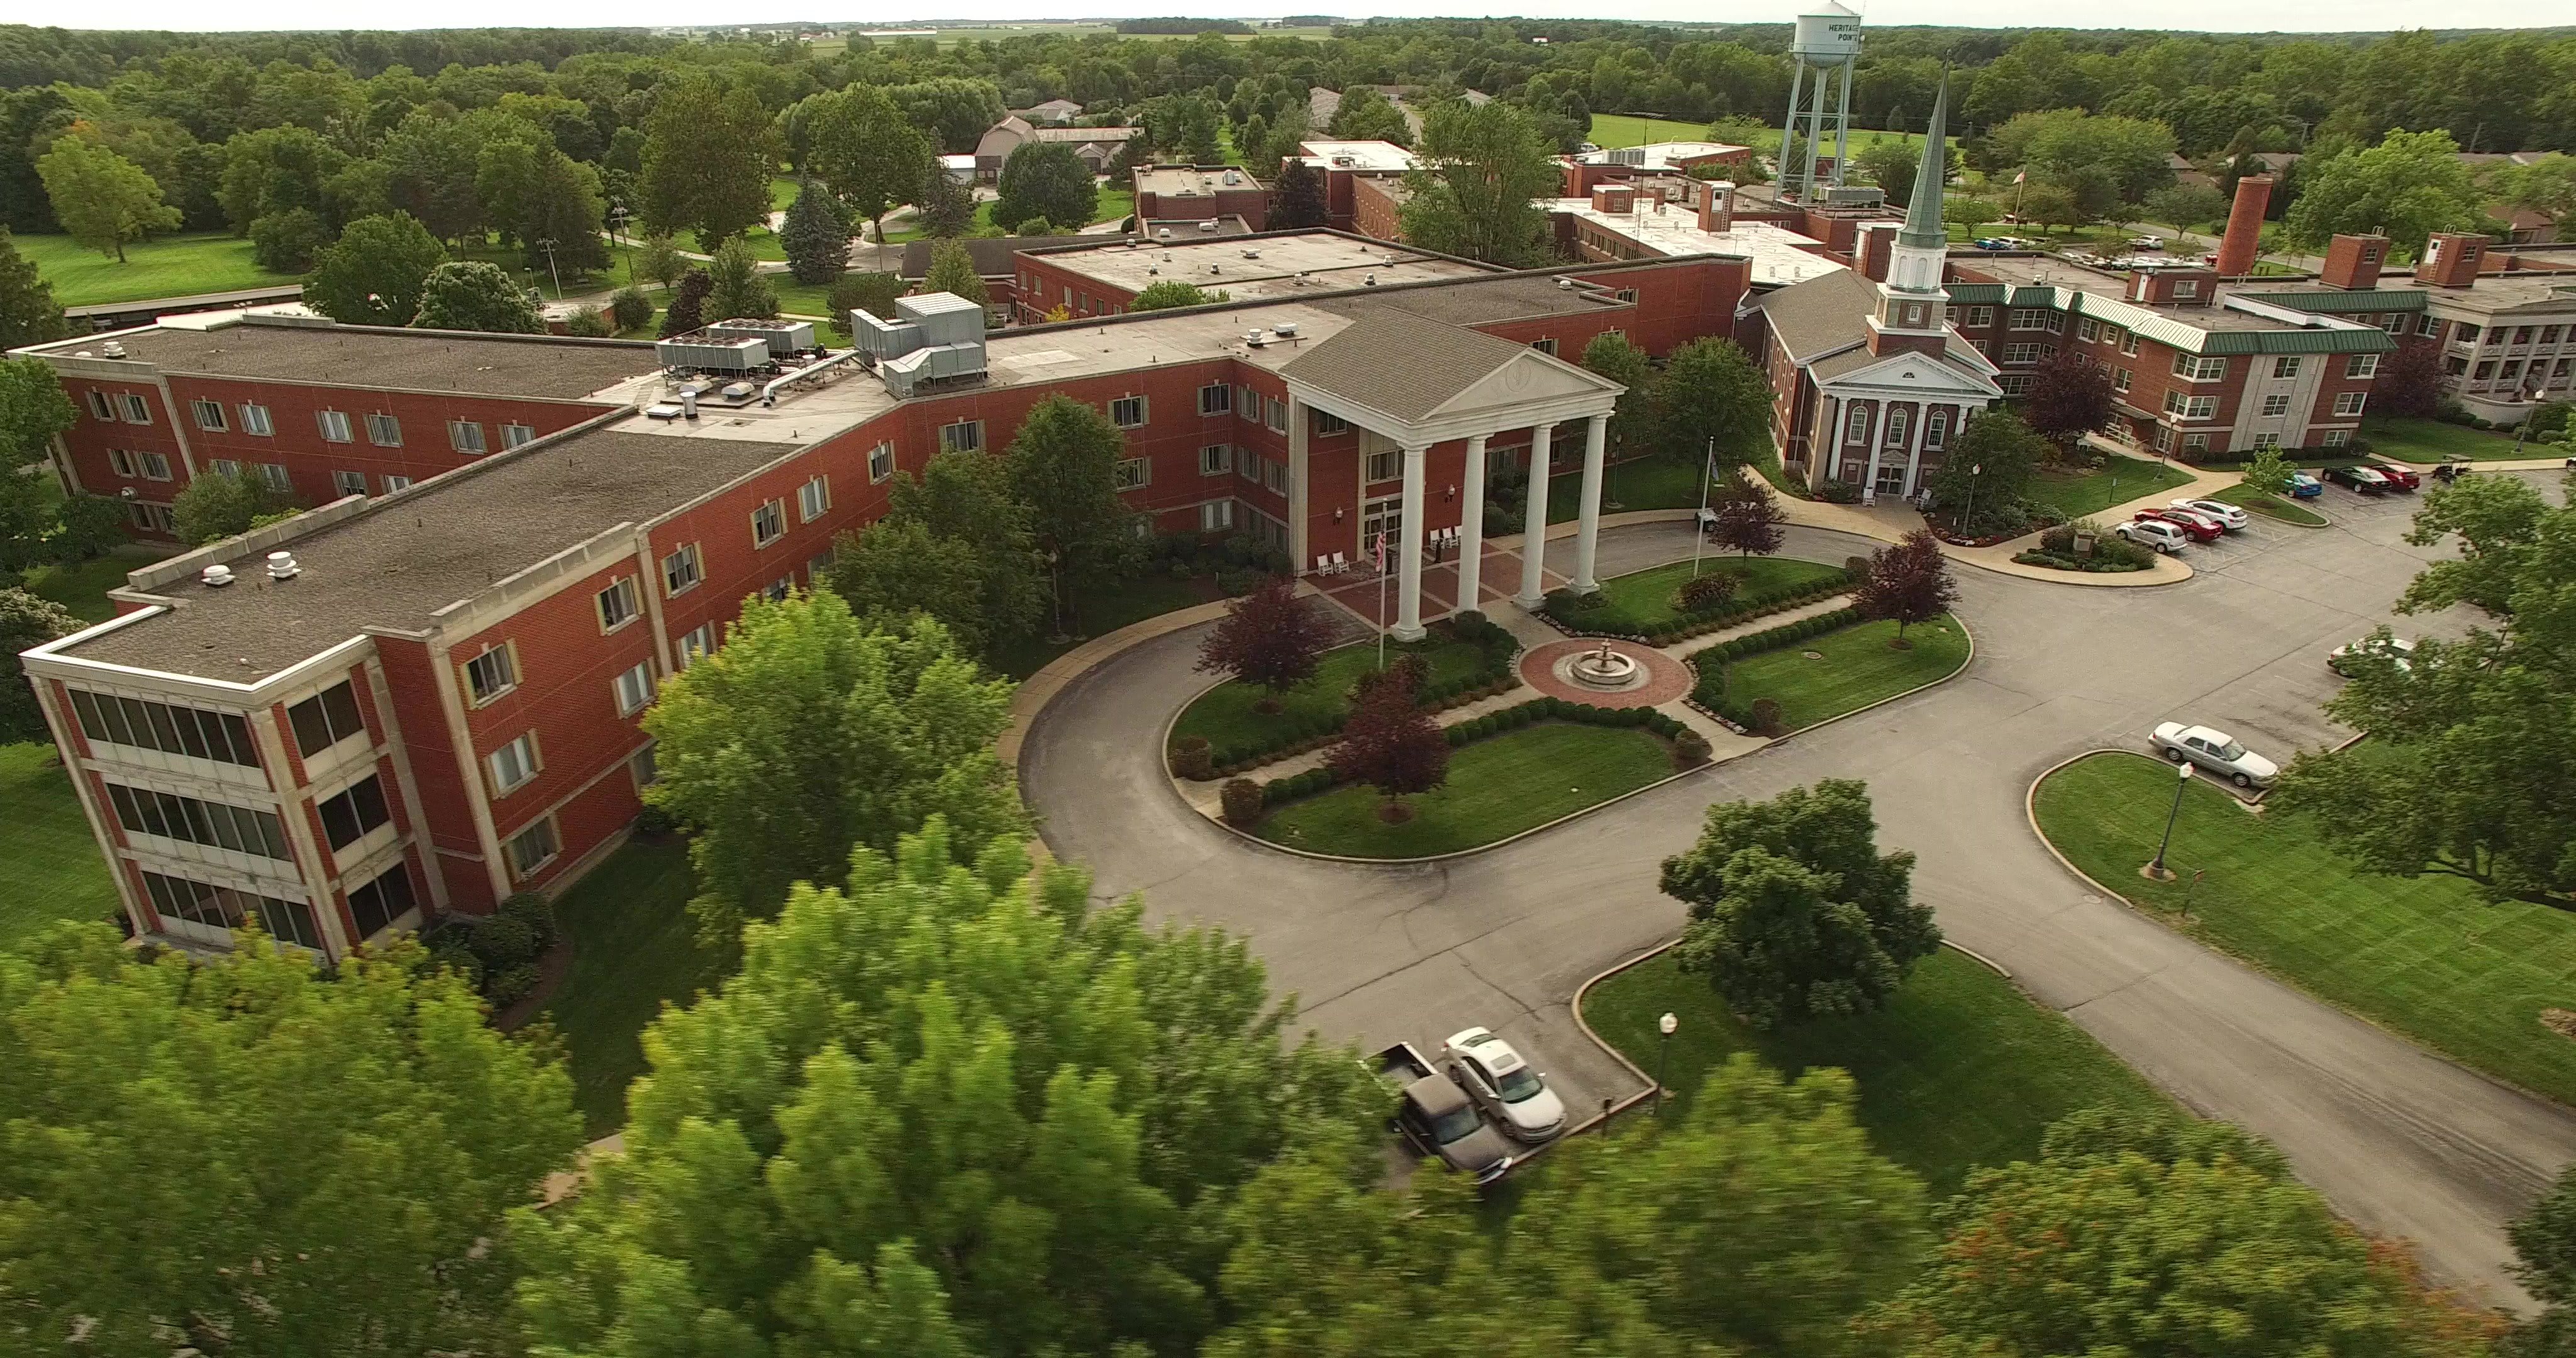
(1699, 522)
(1381, 599)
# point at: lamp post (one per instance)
(1699, 522)
(2157, 869)
(1663, 1057)
(1968, 516)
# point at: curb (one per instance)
(1964, 663)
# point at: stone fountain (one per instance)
(1603, 669)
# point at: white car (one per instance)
(2216, 751)
(1497, 1077)
(2163, 537)
(2146, 242)
(2226, 515)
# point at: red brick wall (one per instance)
(447, 817)
(1373, 212)
(90, 438)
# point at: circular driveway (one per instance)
(2403, 1143)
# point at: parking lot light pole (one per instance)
(2157, 869)
(1664, 1058)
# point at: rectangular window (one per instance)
(222, 907)
(2014, 384)
(2088, 330)
(394, 483)
(515, 435)
(2465, 333)
(1327, 423)
(635, 688)
(680, 572)
(1249, 406)
(2350, 402)
(325, 719)
(513, 764)
(491, 674)
(643, 770)
(779, 588)
(465, 436)
(1215, 458)
(2275, 404)
(768, 523)
(349, 483)
(965, 436)
(2336, 438)
(813, 498)
(2029, 318)
(819, 566)
(199, 734)
(379, 903)
(1247, 464)
(277, 476)
(2195, 443)
(224, 466)
(254, 420)
(2428, 325)
(1276, 474)
(2193, 368)
(210, 414)
(334, 425)
(2186, 287)
(2361, 365)
(2396, 322)
(2129, 343)
(2286, 366)
(217, 825)
(1981, 315)
(137, 410)
(2121, 378)
(1216, 516)
(534, 847)
(2021, 353)
(696, 643)
(102, 405)
(617, 605)
(1131, 473)
(880, 463)
(1387, 465)
(384, 430)
(1127, 412)
(1545, 346)
(152, 518)
(1216, 399)
(357, 809)
(122, 463)
(2267, 439)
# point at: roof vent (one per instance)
(1207, 224)
(113, 348)
(216, 576)
(1163, 233)
(1252, 254)
(1233, 177)
(1371, 280)
(1214, 268)
(281, 566)
(1253, 337)
(1153, 270)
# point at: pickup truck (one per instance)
(1437, 1119)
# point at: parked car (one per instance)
(2227, 515)
(1993, 243)
(2362, 480)
(2201, 527)
(2216, 751)
(2152, 532)
(2305, 487)
(1437, 1119)
(1503, 1084)
(2398, 650)
(2404, 478)
(2146, 242)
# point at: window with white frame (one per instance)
(334, 425)
(634, 688)
(2359, 366)
(2428, 325)
(768, 522)
(642, 767)
(170, 728)
(965, 436)
(813, 499)
(1216, 398)
(1215, 458)
(514, 764)
(2350, 402)
(618, 604)
(2267, 439)
(384, 430)
(2195, 443)
(1386, 465)
(2121, 378)
(779, 588)
(1128, 412)
(696, 643)
(2013, 384)
(349, 483)
(1856, 425)
(219, 825)
(137, 410)
(2396, 322)
(210, 414)
(2190, 407)
(1276, 410)
(1936, 429)
(325, 719)
(2186, 287)
(222, 907)
(1544, 346)
(2287, 365)
(1216, 516)
(1131, 473)
(2112, 334)
(1275, 475)
(2030, 318)
(2194, 368)
(491, 674)
(1981, 315)
(2021, 353)
(254, 419)
(881, 463)
(534, 847)
(224, 466)
(2275, 405)
(394, 483)
(2336, 438)
(516, 435)
(102, 405)
(465, 436)
(2088, 330)
(277, 476)
(1247, 403)
(1327, 423)
(681, 571)
(819, 566)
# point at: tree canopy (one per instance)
(1046, 179)
(868, 152)
(1174, 292)
(1713, 401)
(26, 620)
(102, 199)
(1471, 190)
(1064, 465)
(955, 546)
(708, 155)
(2408, 186)
(474, 295)
(375, 273)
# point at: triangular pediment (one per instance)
(1528, 376)
(1914, 371)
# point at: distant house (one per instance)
(1054, 112)
(1096, 146)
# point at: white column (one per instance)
(1877, 431)
(1408, 585)
(1914, 447)
(1300, 421)
(1587, 532)
(1471, 527)
(1534, 523)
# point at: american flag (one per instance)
(1378, 552)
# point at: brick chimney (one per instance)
(2451, 260)
(2237, 248)
(1717, 207)
(1877, 245)
(2352, 262)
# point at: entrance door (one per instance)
(1384, 515)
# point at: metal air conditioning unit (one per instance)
(935, 338)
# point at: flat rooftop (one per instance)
(2497, 293)
(1656, 154)
(1327, 261)
(1191, 181)
(2044, 271)
(1376, 157)
(408, 555)
(1780, 256)
(299, 349)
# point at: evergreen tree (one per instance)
(28, 312)
(687, 312)
(374, 273)
(1366, 115)
(1064, 465)
(473, 295)
(945, 208)
(817, 240)
(741, 290)
(1298, 198)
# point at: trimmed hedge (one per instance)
(1708, 691)
(1569, 612)
(1495, 723)
(1495, 675)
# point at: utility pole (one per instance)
(548, 245)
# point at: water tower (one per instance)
(1827, 41)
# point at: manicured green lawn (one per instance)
(2078, 494)
(2436, 441)
(1103, 611)
(165, 266)
(634, 947)
(1116, 205)
(1226, 716)
(1960, 1070)
(2271, 506)
(1620, 129)
(2424, 957)
(1858, 668)
(1646, 597)
(1639, 483)
(782, 193)
(763, 244)
(802, 299)
(1497, 788)
(50, 867)
(82, 586)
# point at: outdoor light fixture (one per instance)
(1664, 1056)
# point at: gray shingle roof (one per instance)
(1402, 364)
(1822, 314)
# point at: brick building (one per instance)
(1173, 194)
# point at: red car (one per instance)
(2201, 527)
(2405, 478)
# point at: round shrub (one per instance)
(1765, 717)
(1856, 566)
(655, 822)
(456, 957)
(1703, 592)
(509, 987)
(1192, 759)
(503, 941)
(1242, 801)
(1690, 749)
(538, 912)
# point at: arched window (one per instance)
(1896, 426)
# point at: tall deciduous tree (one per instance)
(26, 620)
(868, 152)
(2407, 187)
(1749, 516)
(1712, 401)
(740, 289)
(958, 548)
(101, 198)
(1297, 200)
(1390, 743)
(276, 170)
(28, 312)
(1632, 420)
(1046, 179)
(218, 505)
(323, 1217)
(1794, 914)
(708, 155)
(474, 295)
(952, 270)
(811, 732)
(816, 236)
(1472, 192)
(1987, 470)
(33, 408)
(1064, 467)
(1366, 115)
(2410, 382)
(953, 109)
(2068, 399)
(1269, 638)
(374, 273)
(941, 1112)
(1907, 582)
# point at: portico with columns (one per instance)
(1433, 405)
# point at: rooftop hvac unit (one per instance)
(1233, 177)
(1345, 162)
(1285, 330)
(1163, 233)
(1207, 224)
(1628, 155)
(782, 337)
(708, 353)
(934, 337)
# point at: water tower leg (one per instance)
(1788, 126)
(1842, 124)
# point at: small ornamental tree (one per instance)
(1270, 638)
(2068, 399)
(2268, 472)
(952, 270)
(658, 259)
(1749, 518)
(630, 309)
(741, 290)
(218, 505)
(1908, 582)
(473, 295)
(2410, 382)
(688, 308)
(1391, 745)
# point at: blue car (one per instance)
(2305, 487)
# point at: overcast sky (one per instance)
(2213, 15)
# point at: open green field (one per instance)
(2079, 494)
(165, 266)
(1497, 788)
(2438, 440)
(1225, 714)
(2271, 506)
(1628, 129)
(2423, 957)
(50, 867)
(1644, 599)
(634, 947)
(1960, 1070)
(1857, 668)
